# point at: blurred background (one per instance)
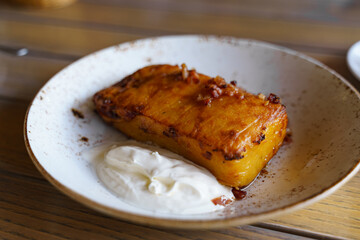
(55, 36)
(40, 37)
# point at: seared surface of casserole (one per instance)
(211, 122)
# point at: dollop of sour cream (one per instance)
(158, 180)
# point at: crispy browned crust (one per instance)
(209, 121)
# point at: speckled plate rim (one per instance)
(197, 224)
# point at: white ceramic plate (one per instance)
(353, 59)
(323, 110)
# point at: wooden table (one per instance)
(31, 208)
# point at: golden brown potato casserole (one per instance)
(215, 124)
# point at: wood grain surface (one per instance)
(30, 208)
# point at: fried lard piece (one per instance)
(215, 124)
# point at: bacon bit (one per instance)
(184, 71)
(215, 88)
(238, 194)
(189, 76)
(273, 98)
(226, 89)
(261, 96)
(233, 82)
(222, 200)
(193, 77)
(215, 91)
(207, 102)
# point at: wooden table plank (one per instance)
(59, 39)
(6, 233)
(13, 155)
(107, 25)
(332, 11)
(18, 78)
